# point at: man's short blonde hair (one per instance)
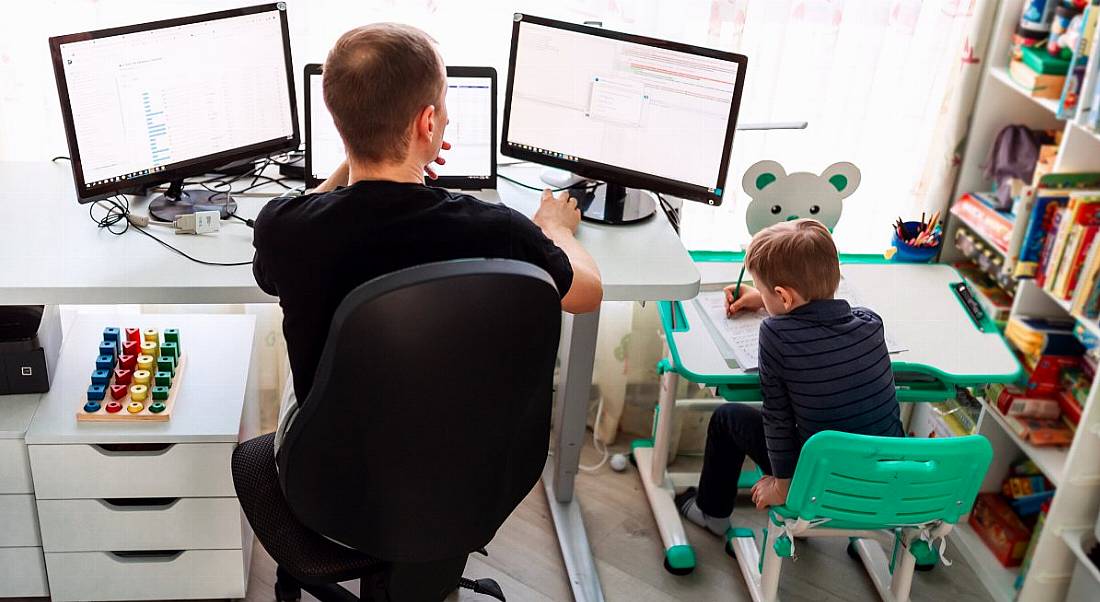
(377, 79)
(799, 255)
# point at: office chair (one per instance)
(427, 424)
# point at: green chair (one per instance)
(904, 494)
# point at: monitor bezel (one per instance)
(310, 70)
(612, 173)
(454, 182)
(190, 167)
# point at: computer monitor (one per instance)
(158, 102)
(471, 106)
(638, 113)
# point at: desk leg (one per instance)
(570, 416)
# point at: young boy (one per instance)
(823, 366)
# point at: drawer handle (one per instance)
(132, 449)
(145, 555)
(139, 503)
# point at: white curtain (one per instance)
(886, 84)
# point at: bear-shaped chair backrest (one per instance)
(778, 196)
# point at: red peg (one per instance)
(133, 334)
(123, 376)
(119, 391)
(130, 347)
(128, 362)
(113, 407)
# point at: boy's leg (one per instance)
(735, 430)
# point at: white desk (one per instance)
(52, 253)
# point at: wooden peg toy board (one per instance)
(145, 415)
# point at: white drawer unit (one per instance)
(126, 470)
(22, 573)
(18, 522)
(22, 568)
(140, 524)
(190, 574)
(15, 469)
(147, 510)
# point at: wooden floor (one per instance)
(525, 560)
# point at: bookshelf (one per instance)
(1075, 469)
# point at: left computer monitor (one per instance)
(158, 102)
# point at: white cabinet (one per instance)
(147, 510)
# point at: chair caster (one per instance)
(287, 592)
(853, 553)
(924, 568)
(633, 460)
(730, 551)
(487, 587)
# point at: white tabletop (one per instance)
(210, 400)
(917, 306)
(51, 252)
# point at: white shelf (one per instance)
(999, 580)
(1002, 75)
(1050, 460)
(1086, 131)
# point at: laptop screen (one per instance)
(471, 108)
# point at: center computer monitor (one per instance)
(637, 113)
(158, 102)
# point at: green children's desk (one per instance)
(946, 347)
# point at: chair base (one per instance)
(397, 582)
(762, 576)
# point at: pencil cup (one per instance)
(910, 254)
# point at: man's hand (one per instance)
(749, 299)
(770, 491)
(340, 177)
(439, 160)
(559, 212)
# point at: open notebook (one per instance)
(738, 338)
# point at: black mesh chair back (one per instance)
(429, 417)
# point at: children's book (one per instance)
(1088, 223)
(1088, 279)
(1040, 223)
(1067, 104)
(1049, 258)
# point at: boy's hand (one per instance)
(748, 300)
(560, 212)
(770, 491)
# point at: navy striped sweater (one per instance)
(824, 366)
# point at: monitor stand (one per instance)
(613, 204)
(176, 202)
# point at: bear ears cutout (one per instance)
(843, 176)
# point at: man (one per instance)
(385, 85)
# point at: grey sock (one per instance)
(714, 524)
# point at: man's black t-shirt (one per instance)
(312, 250)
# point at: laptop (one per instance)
(472, 107)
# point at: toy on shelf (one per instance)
(136, 378)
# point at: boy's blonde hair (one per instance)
(799, 254)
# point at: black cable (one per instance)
(670, 213)
(118, 211)
(60, 158)
(589, 187)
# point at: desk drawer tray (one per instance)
(132, 471)
(185, 575)
(18, 522)
(22, 573)
(140, 524)
(15, 469)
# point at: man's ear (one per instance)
(760, 175)
(844, 176)
(425, 123)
